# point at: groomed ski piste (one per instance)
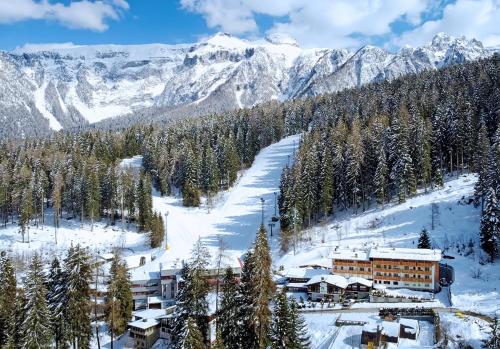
(235, 217)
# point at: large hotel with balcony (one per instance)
(410, 268)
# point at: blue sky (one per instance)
(313, 23)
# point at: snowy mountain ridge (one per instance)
(50, 88)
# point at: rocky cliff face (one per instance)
(68, 87)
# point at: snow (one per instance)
(406, 254)
(134, 162)
(145, 323)
(303, 273)
(353, 255)
(359, 280)
(460, 327)
(403, 292)
(39, 97)
(336, 280)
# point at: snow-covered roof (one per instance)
(303, 273)
(336, 280)
(149, 313)
(419, 254)
(356, 255)
(144, 323)
(404, 292)
(359, 280)
(296, 284)
(388, 328)
(410, 325)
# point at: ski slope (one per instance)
(235, 216)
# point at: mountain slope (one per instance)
(79, 85)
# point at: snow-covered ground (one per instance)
(460, 327)
(325, 335)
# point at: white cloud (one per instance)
(84, 14)
(479, 19)
(312, 23)
(347, 23)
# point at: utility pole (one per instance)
(262, 202)
(275, 204)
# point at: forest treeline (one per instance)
(385, 140)
(376, 142)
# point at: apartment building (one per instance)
(410, 268)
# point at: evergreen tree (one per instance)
(228, 317)
(92, 192)
(7, 298)
(119, 301)
(56, 297)
(193, 338)
(37, 327)
(380, 180)
(77, 313)
(281, 330)
(157, 233)
(490, 225)
(219, 343)
(299, 336)
(191, 299)
(144, 202)
(263, 288)
(424, 240)
(493, 342)
(245, 334)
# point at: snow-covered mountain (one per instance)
(70, 86)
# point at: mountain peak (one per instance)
(225, 40)
(281, 39)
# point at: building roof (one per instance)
(355, 255)
(409, 325)
(336, 280)
(149, 313)
(144, 323)
(302, 273)
(388, 328)
(419, 254)
(359, 280)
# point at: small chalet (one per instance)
(358, 288)
(327, 287)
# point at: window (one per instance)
(377, 266)
(407, 275)
(351, 268)
(361, 269)
(341, 268)
(406, 267)
(427, 277)
(395, 282)
(386, 282)
(427, 269)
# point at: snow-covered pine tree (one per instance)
(424, 240)
(7, 298)
(245, 334)
(57, 301)
(380, 179)
(193, 338)
(78, 277)
(192, 296)
(481, 151)
(263, 288)
(490, 225)
(299, 338)
(92, 191)
(280, 336)
(493, 342)
(37, 326)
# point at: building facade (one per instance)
(410, 268)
